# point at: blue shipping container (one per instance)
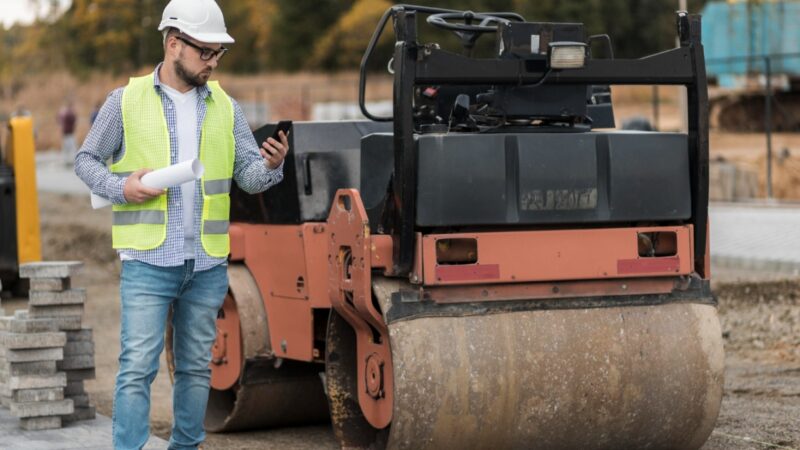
(752, 30)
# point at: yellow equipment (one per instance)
(20, 240)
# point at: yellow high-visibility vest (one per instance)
(144, 226)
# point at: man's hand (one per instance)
(274, 151)
(135, 192)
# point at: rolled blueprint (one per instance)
(167, 177)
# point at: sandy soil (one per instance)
(760, 319)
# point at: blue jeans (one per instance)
(147, 293)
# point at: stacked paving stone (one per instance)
(33, 388)
(4, 394)
(78, 364)
(53, 298)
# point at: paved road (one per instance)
(53, 175)
(86, 435)
(757, 236)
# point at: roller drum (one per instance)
(602, 378)
(276, 403)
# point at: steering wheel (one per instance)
(462, 24)
(487, 21)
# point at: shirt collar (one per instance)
(203, 91)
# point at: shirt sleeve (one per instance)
(103, 142)
(249, 168)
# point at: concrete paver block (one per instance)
(50, 284)
(19, 323)
(40, 423)
(76, 362)
(78, 348)
(38, 395)
(84, 334)
(81, 374)
(85, 413)
(5, 401)
(40, 409)
(14, 325)
(58, 380)
(47, 298)
(80, 401)
(35, 311)
(38, 354)
(29, 368)
(68, 323)
(15, 341)
(49, 269)
(4, 322)
(74, 388)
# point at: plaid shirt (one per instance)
(105, 140)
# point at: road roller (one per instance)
(493, 266)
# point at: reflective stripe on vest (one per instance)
(215, 226)
(213, 187)
(136, 217)
(147, 145)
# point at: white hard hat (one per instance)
(200, 19)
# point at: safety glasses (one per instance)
(205, 52)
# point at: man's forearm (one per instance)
(102, 143)
(256, 177)
(98, 178)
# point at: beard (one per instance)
(196, 80)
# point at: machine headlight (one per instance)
(566, 55)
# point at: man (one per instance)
(173, 243)
(67, 119)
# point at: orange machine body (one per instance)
(290, 264)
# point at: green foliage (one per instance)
(115, 35)
(120, 36)
(298, 25)
(250, 24)
(344, 43)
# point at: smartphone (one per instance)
(283, 125)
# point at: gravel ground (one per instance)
(760, 320)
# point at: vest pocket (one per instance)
(214, 232)
(141, 226)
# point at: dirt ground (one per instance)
(760, 320)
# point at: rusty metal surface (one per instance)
(237, 235)
(226, 352)
(252, 317)
(350, 427)
(283, 245)
(266, 393)
(350, 290)
(563, 289)
(553, 255)
(275, 256)
(381, 246)
(605, 378)
(315, 245)
(242, 330)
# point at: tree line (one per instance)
(294, 35)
